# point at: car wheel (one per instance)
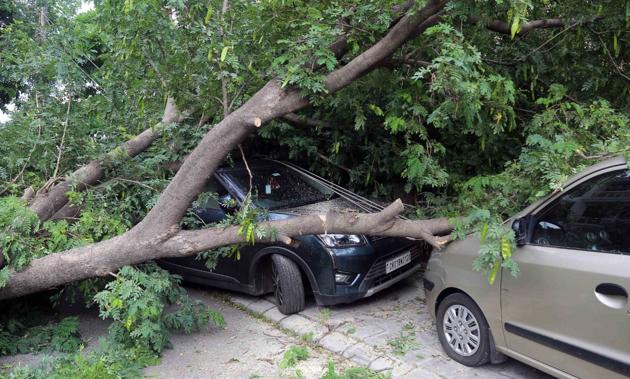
(287, 284)
(463, 330)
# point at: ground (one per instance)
(391, 331)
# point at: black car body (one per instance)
(336, 268)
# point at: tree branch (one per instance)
(47, 202)
(505, 28)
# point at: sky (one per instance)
(4, 117)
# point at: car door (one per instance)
(569, 308)
(228, 272)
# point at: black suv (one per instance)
(335, 268)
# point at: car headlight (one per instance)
(341, 240)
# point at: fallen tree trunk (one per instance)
(158, 235)
(102, 258)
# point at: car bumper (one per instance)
(376, 278)
(433, 283)
(323, 299)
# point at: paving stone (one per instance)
(243, 300)
(450, 369)
(361, 354)
(302, 326)
(275, 315)
(367, 330)
(362, 330)
(260, 306)
(420, 373)
(336, 342)
(401, 369)
(312, 311)
(381, 364)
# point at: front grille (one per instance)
(384, 278)
(378, 268)
(420, 253)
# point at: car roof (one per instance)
(618, 160)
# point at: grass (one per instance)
(293, 355)
(353, 373)
(308, 337)
(405, 342)
(324, 315)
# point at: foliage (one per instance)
(109, 360)
(406, 340)
(23, 238)
(26, 327)
(17, 225)
(293, 355)
(353, 373)
(459, 121)
(136, 301)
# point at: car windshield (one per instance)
(280, 187)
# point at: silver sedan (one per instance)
(567, 312)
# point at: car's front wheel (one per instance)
(463, 330)
(287, 284)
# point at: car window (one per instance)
(595, 215)
(280, 187)
(216, 192)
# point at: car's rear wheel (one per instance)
(463, 330)
(287, 284)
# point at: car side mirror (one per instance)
(520, 226)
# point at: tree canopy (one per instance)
(463, 109)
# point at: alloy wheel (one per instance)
(461, 330)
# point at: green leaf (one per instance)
(493, 274)
(484, 231)
(376, 109)
(224, 53)
(506, 248)
(4, 276)
(208, 15)
(128, 6)
(515, 26)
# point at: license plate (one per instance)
(398, 262)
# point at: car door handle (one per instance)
(611, 295)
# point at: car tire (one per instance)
(287, 284)
(466, 338)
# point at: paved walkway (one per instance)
(389, 331)
(248, 347)
(392, 330)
